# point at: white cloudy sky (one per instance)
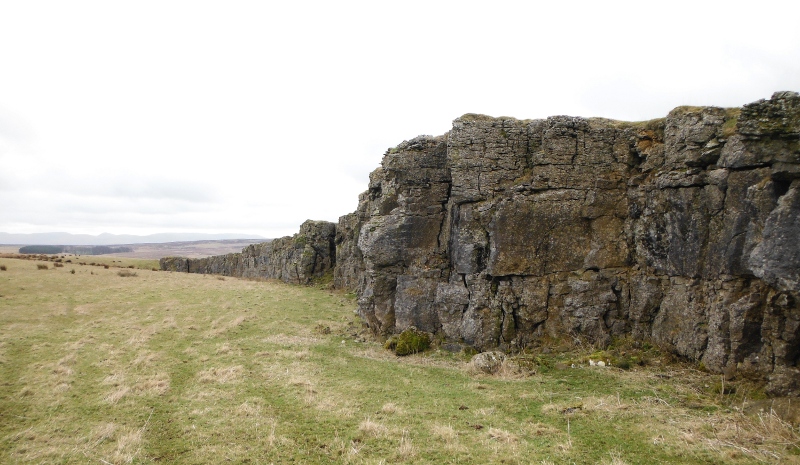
(162, 116)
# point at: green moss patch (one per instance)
(410, 341)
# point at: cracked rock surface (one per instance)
(683, 232)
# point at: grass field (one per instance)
(162, 367)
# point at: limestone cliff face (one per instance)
(684, 232)
(294, 259)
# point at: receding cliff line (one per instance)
(683, 231)
(300, 259)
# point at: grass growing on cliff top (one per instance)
(185, 368)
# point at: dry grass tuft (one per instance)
(445, 432)
(117, 394)
(391, 408)
(128, 446)
(102, 432)
(62, 368)
(497, 434)
(614, 459)
(115, 379)
(248, 410)
(221, 375)
(218, 327)
(406, 449)
(157, 385)
(145, 358)
(62, 387)
(372, 428)
(485, 412)
(754, 437)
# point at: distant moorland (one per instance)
(191, 249)
(62, 238)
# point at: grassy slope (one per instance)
(179, 368)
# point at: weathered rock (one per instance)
(174, 264)
(776, 259)
(683, 232)
(349, 260)
(298, 259)
(487, 362)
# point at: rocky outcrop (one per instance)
(299, 259)
(682, 231)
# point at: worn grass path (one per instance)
(179, 368)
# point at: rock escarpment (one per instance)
(299, 259)
(683, 232)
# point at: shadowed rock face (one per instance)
(683, 232)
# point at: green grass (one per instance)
(89, 260)
(185, 368)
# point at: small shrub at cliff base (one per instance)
(410, 341)
(3, 268)
(126, 273)
(41, 266)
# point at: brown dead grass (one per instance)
(156, 385)
(391, 408)
(373, 429)
(448, 436)
(115, 395)
(497, 434)
(222, 375)
(220, 326)
(406, 449)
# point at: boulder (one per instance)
(487, 362)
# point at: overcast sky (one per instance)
(169, 116)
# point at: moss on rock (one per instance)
(410, 341)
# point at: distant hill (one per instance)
(62, 238)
